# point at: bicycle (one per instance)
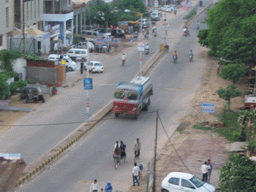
(175, 58)
(136, 155)
(116, 161)
(123, 62)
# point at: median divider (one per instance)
(53, 154)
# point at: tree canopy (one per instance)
(231, 30)
(238, 174)
(230, 92)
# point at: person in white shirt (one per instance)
(94, 186)
(123, 59)
(135, 174)
(117, 143)
(204, 169)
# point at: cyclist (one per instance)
(117, 154)
(137, 147)
(123, 59)
(123, 147)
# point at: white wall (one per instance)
(19, 67)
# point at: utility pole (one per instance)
(141, 41)
(23, 27)
(155, 153)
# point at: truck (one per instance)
(132, 97)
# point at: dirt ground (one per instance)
(192, 146)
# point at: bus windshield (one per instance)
(132, 96)
(119, 94)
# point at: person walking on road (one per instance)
(135, 174)
(82, 67)
(94, 186)
(123, 59)
(137, 147)
(204, 169)
(108, 187)
(209, 170)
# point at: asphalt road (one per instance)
(174, 86)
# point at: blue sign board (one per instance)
(208, 108)
(87, 83)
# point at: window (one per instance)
(83, 52)
(119, 94)
(174, 181)
(7, 17)
(186, 183)
(1, 40)
(132, 96)
(197, 182)
(34, 9)
(38, 6)
(70, 51)
(77, 52)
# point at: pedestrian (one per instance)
(131, 40)
(101, 190)
(137, 147)
(123, 147)
(94, 186)
(135, 174)
(116, 144)
(108, 187)
(218, 68)
(175, 11)
(82, 67)
(209, 169)
(204, 169)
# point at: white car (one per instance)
(178, 181)
(70, 65)
(95, 66)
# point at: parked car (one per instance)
(53, 57)
(178, 181)
(94, 66)
(145, 23)
(155, 16)
(70, 65)
(78, 54)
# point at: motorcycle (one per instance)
(146, 51)
(186, 33)
(197, 26)
(191, 57)
(175, 58)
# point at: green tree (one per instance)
(100, 13)
(233, 72)
(202, 35)
(230, 92)
(238, 175)
(4, 92)
(231, 30)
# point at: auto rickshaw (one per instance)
(32, 94)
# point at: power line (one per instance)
(169, 138)
(67, 123)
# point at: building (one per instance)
(7, 21)
(58, 20)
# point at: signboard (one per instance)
(10, 156)
(4, 103)
(140, 46)
(155, 3)
(208, 108)
(87, 83)
(117, 40)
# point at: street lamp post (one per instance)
(141, 40)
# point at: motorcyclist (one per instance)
(147, 46)
(154, 29)
(185, 30)
(191, 53)
(175, 54)
(198, 24)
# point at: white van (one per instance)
(78, 54)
